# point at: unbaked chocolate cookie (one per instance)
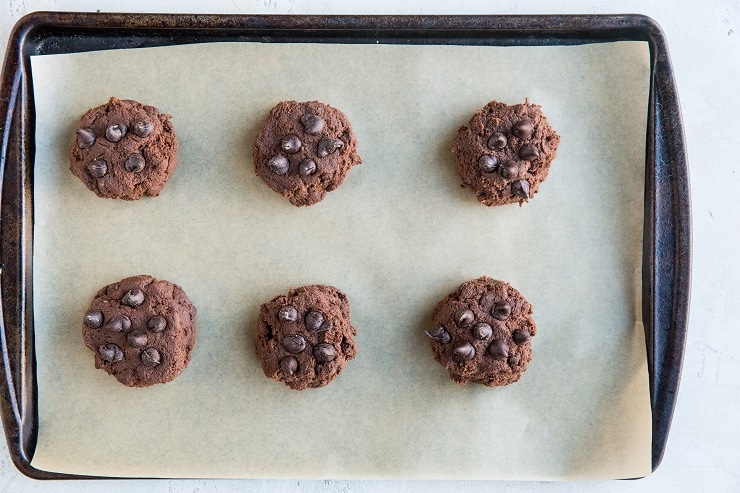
(124, 150)
(305, 150)
(505, 152)
(141, 330)
(481, 333)
(305, 338)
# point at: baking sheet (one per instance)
(396, 236)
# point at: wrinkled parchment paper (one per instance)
(397, 236)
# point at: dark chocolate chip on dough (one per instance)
(85, 137)
(143, 128)
(98, 168)
(522, 129)
(294, 343)
(288, 314)
(307, 167)
(440, 334)
(523, 144)
(106, 153)
(136, 348)
(135, 163)
(487, 163)
(291, 144)
(94, 319)
(110, 353)
(305, 150)
(312, 124)
(118, 323)
(497, 141)
(464, 317)
(289, 365)
(493, 351)
(520, 188)
(324, 352)
(465, 351)
(150, 357)
(157, 323)
(115, 132)
(137, 338)
(279, 164)
(482, 331)
(133, 297)
(521, 337)
(310, 349)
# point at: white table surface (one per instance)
(703, 451)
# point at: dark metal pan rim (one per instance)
(666, 236)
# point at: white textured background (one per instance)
(703, 452)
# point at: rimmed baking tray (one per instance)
(666, 238)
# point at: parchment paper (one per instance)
(397, 236)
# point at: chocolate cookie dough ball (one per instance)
(305, 150)
(124, 150)
(505, 152)
(141, 330)
(305, 338)
(482, 333)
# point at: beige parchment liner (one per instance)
(396, 237)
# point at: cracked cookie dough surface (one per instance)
(505, 152)
(482, 333)
(305, 338)
(124, 150)
(305, 150)
(141, 330)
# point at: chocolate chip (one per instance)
(294, 343)
(439, 334)
(521, 336)
(115, 132)
(291, 144)
(133, 297)
(307, 167)
(313, 321)
(482, 331)
(288, 314)
(289, 365)
(528, 152)
(324, 352)
(135, 163)
(328, 146)
(501, 310)
(509, 170)
(464, 317)
(312, 124)
(157, 323)
(498, 349)
(520, 188)
(118, 323)
(278, 164)
(137, 338)
(465, 351)
(143, 128)
(85, 137)
(486, 298)
(326, 325)
(487, 163)
(98, 168)
(522, 129)
(150, 357)
(110, 353)
(514, 360)
(94, 319)
(497, 141)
